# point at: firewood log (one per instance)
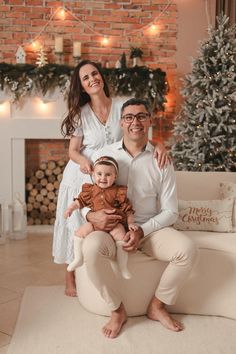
(39, 197)
(44, 182)
(51, 165)
(50, 187)
(43, 165)
(39, 174)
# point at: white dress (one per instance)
(95, 136)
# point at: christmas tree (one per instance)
(41, 58)
(205, 131)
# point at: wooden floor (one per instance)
(24, 263)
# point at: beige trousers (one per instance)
(167, 245)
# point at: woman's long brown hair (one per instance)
(77, 98)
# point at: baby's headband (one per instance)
(107, 160)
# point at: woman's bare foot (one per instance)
(70, 289)
(157, 312)
(113, 327)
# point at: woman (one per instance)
(93, 120)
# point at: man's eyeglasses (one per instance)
(141, 117)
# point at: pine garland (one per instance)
(21, 80)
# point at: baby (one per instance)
(104, 194)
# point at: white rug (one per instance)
(51, 323)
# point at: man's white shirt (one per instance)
(151, 190)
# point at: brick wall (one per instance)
(22, 20)
(43, 150)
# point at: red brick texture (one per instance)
(44, 150)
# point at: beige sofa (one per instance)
(211, 288)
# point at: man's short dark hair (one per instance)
(136, 102)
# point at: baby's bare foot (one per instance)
(157, 312)
(70, 289)
(113, 327)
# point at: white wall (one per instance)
(192, 28)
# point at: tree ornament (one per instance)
(41, 58)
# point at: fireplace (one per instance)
(30, 119)
(45, 160)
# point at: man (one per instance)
(147, 184)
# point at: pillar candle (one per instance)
(150, 133)
(76, 49)
(59, 44)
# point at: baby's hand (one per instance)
(133, 227)
(68, 213)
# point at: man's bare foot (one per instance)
(157, 312)
(113, 327)
(70, 289)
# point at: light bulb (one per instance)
(105, 41)
(4, 107)
(152, 30)
(62, 14)
(44, 107)
(35, 44)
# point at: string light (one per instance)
(105, 41)
(3, 107)
(44, 107)
(35, 45)
(153, 29)
(61, 12)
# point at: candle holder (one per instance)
(19, 219)
(77, 60)
(5, 220)
(59, 57)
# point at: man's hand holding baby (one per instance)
(132, 239)
(104, 219)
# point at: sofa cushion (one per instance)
(228, 190)
(212, 215)
(225, 242)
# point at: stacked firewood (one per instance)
(42, 189)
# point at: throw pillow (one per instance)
(228, 190)
(204, 215)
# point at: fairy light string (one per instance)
(151, 24)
